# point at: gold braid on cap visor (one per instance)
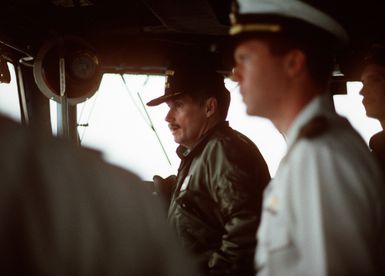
(240, 28)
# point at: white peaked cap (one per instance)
(291, 9)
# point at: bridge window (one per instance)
(117, 122)
(9, 97)
(351, 107)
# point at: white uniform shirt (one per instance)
(323, 210)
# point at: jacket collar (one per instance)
(184, 152)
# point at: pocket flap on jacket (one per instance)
(279, 239)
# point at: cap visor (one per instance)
(162, 99)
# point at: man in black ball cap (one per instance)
(323, 213)
(216, 203)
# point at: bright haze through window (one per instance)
(9, 97)
(129, 134)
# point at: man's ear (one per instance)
(294, 62)
(211, 106)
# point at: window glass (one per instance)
(261, 131)
(9, 97)
(351, 107)
(117, 122)
(53, 111)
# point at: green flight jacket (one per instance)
(216, 205)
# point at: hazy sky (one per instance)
(121, 127)
(118, 125)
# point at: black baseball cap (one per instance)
(192, 78)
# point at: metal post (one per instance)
(62, 111)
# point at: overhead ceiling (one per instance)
(128, 33)
(119, 30)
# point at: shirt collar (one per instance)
(320, 105)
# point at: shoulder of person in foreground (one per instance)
(64, 211)
(339, 149)
(333, 177)
(339, 136)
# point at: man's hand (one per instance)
(164, 187)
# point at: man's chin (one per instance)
(375, 115)
(176, 140)
(249, 107)
(250, 111)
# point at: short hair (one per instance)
(317, 45)
(223, 99)
(319, 59)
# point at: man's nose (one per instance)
(363, 90)
(168, 117)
